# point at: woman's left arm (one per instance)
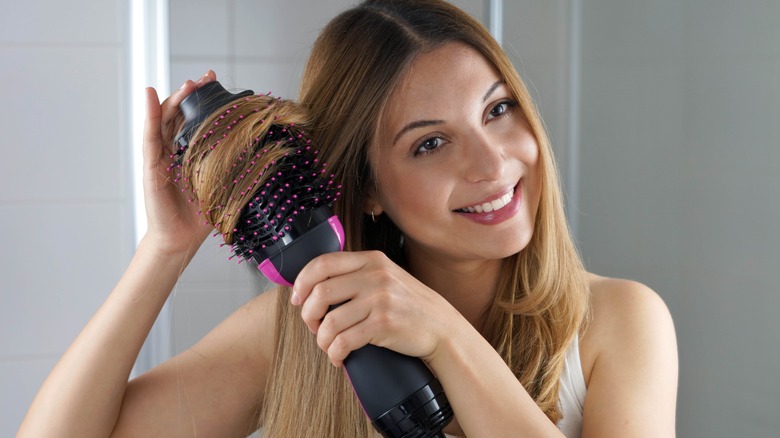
(487, 398)
(632, 349)
(386, 306)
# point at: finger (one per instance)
(339, 320)
(206, 78)
(323, 267)
(171, 104)
(170, 107)
(347, 341)
(172, 117)
(152, 137)
(323, 295)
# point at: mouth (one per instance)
(490, 206)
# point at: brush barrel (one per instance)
(399, 393)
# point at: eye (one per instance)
(428, 146)
(501, 108)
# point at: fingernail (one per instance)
(203, 79)
(295, 300)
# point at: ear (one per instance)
(371, 203)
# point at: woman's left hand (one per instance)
(382, 305)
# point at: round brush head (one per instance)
(248, 162)
(295, 196)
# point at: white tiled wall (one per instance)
(65, 210)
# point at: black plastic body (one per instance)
(293, 252)
(199, 105)
(399, 394)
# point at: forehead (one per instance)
(453, 74)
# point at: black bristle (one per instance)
(285, 202)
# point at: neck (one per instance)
(469, 285)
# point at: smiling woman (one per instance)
(424, 121)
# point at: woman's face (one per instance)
(456, 160)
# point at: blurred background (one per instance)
(664, 116)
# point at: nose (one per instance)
(484, 158)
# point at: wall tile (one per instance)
(736, 30)
(633, 30)
(58, 263)
(279, 78)
(725, 342)
(56, 22)
(263, 29)
(60, 133)
(630, 180)
(537, 29)
(477, 8)
(199, 28)
(182, 70)
(734, 125)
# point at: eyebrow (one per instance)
(414, 125)
(493, 88)
(423, 123)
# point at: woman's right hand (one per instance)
(174, 225)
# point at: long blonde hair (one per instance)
(542, 297)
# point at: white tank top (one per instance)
(572, 392)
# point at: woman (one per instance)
(458, 254)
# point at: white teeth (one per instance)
(493, 205)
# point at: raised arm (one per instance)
(83, 394)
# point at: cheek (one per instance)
(529, 151)
(403, 196)
(413, 199)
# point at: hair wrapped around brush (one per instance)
(253, 169)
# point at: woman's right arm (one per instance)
(87, 393)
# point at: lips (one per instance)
(487, 207)
(495, 211)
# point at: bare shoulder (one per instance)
(623, 313)
(629, 355)
(619, 304)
